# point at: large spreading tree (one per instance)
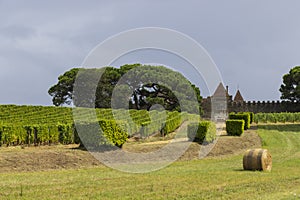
(290, 89)
(138, 86)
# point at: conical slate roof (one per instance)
(238, 97)
(220, 91)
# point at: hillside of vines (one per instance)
(38, 125)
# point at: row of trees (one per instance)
(132, 86)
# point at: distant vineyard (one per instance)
(276, 117)
(46, 125)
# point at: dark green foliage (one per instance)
(29, 134)
(87, 135)
(202, 131)
(290, 89)
(66, 133)
(53, 134)
(235, 127)
(172, 123)
(11, 134)
(105, 133)
(146, 86)
(6, 134)
(61, 91)
(251, 115)
(243, 116)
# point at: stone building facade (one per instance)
(214, 105)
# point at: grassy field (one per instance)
(214, 178)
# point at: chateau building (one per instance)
(221, 103)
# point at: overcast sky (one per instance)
(253, 42)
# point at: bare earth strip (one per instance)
(16, 159)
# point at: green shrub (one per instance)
(202, 131)
(66, 133)
(41, 133)
(6, 134)
(115, 132)
(53, 134)
(87, 135)
(112, 133)
(172, 123)
(251, 116)
(271, 118)
(235, 127)
(148, 128)
(29, 134)
(277, 117)
(244, 116)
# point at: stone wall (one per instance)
(253, 106)
(264, 106)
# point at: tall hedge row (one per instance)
(242, 116)
(173, 121)
(235, 127)
(36, 134)
(102, 133)
(251, 116)
(115, 132)
(202, 131)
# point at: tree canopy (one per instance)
(62, 92)
(290, 89)
(135, 86)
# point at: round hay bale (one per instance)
(257, 159)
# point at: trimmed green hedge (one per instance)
(115, 132)
(251, 116)
(36, 134)
(235, 127)
(202, 131)
(112, 133)
(244, 116)
(172, 123)
(147, 129)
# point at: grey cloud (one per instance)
(253, 42)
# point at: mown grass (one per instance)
(199, 179)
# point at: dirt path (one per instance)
(16, 159)
(44, 158)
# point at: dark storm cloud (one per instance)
(252, 42)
